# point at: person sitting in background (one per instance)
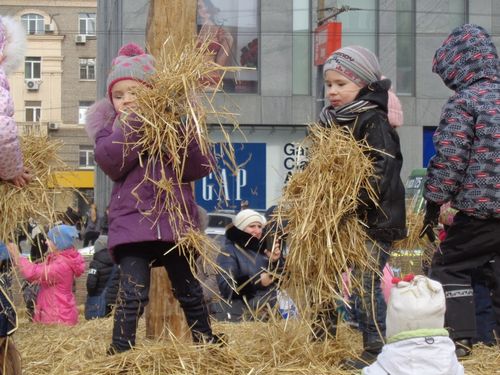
(55, 302)
(417, 342)
(248, 283)
(100, 271)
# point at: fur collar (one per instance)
(14, 45)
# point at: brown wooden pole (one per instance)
(175, 19)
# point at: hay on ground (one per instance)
(273, 348)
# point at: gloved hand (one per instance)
(430, 220)
(326, 116)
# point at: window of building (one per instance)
(458, 12)
(87, 23)
(83, 106)
(87, 69)
(359, 27)
(232, 29)
(32, 111)
(301, 65)
(33, 23)
(86, 159)
(405, 47)
(32, 67)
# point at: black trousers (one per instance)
(471, 245)
(135, 264)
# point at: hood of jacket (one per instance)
(12, 44)
(98, 116)
(376, 92)
(466, 56)
(73, 258)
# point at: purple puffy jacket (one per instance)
(11, 161)
(127, 222)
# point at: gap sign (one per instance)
(247, 183)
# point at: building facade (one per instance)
(57, 84)
(276, 96)
(285, 91)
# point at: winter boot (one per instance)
(324, 325)
(463, 347)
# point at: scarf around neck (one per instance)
(346, 113)
(245, 240)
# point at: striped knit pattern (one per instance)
(466, 167)
(356, 63)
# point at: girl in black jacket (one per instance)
(357, 100)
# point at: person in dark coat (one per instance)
(247, 284)
(465, 171)
(357, 101)
(100, 270)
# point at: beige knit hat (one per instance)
(247, 217)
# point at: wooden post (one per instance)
(175, 19)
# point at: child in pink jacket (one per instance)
(56, 302)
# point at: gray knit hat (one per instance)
(356, 63)
(131, 63)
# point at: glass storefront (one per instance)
(232, 27)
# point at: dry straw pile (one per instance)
(320, 202)
(272, 348)
(35, 200)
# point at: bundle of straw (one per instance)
(35, 200)
(173, 108)
(320, 203)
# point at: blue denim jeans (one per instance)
(371, 304)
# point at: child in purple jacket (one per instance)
(135, 241)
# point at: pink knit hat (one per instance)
(131, 63)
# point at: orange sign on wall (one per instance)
(327, 38)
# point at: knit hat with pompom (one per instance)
(131, 63)
(415, 303)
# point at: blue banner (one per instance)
(230, 187)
